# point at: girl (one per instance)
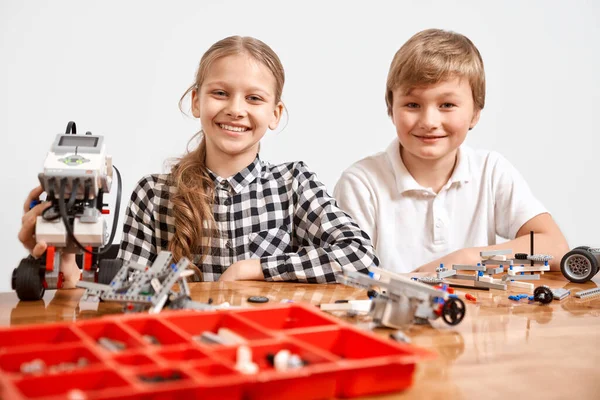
(233, 215)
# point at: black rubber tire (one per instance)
(108, 269)
(28, 280)
(585, 259)
(521, 256)
(453, 311)
(586, 248)
(543, 294)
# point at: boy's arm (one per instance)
(548, 239)
(517, 212)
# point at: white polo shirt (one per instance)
(410, 225)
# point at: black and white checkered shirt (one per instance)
(280, 214)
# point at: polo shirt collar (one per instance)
(405, 181)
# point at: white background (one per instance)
(118, 68)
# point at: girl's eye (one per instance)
(254, 98)
(219, 93)
(412, 105)
(448, 105)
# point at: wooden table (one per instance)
(502, 349)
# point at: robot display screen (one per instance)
(78, 141)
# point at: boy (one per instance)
(429, 199)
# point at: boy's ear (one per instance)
(195, 103)
(277, 112)
(475, 119)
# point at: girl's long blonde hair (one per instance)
(194, 190)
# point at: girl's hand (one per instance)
(27, 232)
(244, 270)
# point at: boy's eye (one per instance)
(412, 105)
(448, 105)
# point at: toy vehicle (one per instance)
(77, 173)
(580, 264)
(406, 301)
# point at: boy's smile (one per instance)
(432, 121)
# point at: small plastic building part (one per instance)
(284, 360)
(33, 367)
(68, 366)
(111, 345)
(543, 294)
(258, 299)
(518, 297)
(280, 361)
(469, 296)
(372, 293)
(173, 376)
(560, 293)
(244, 362)
(580, 264)
(453, 311)
(430, 280)
(76, 394)
(208, 337)
(457, 286)
(295, 362)
(230, 337)
(151, 339)
(400, 336)
(584, 294)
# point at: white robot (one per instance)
(77, 173)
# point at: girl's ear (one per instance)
(277, 112)
(195, 103)
(475, 119)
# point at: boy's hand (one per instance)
(244, 270)
(27, 232)
(462, 256)
(68, 265)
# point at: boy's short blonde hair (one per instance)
(432, 56)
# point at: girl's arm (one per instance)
(327, 238)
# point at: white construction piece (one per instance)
(141, 287)
(494, 262)
(584, 294)
(405, 301)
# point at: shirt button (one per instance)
(227, 202)
(439, 224)
(228, 244)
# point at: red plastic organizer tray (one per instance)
(342, 360)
